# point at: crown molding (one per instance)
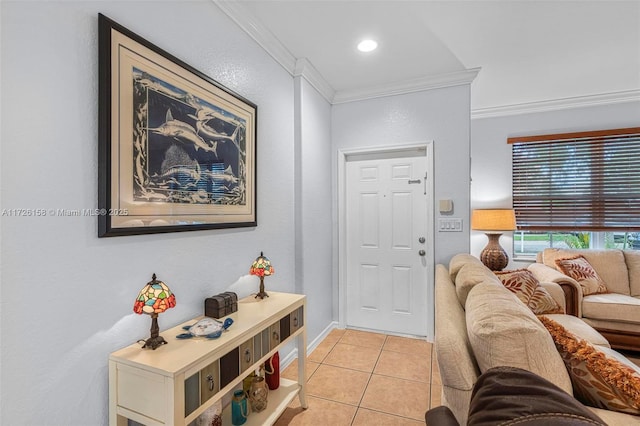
(305, 69)
(259, 33)
(557, 104)
(302, 67)
(408, 86)
(254, 28)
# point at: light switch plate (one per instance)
(450, 225)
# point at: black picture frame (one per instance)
(177, 150)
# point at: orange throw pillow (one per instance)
(581, 270)
(528, 289)
(598, 378)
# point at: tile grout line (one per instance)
(369, 380)
(358, 408)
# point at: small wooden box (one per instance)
(221, 305)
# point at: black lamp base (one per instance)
(155, 340)
(261, 294)
(493, 256)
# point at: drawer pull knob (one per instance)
(276, 336)
(295, 321)
(247, 356)
(210, 381)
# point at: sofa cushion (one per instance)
(504, 332)
(452, 347)
(458, 261)
(601, 377)
(526, 286)
(612, 307)
(581, 270)
(451, 335)
(632, 259)
(615, 417)
(609, 264)
(471, 275)
(557, 293)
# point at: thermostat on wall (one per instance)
(446, 206)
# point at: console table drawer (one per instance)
(246, 355)
(140, 391)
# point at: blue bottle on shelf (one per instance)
(239, 408)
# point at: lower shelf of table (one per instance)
(277, 403)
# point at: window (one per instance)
(577, 190)
(527, 244)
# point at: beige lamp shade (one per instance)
(493, 220)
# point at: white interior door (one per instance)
(386, 255)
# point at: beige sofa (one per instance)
(616, 315)
(480, 324)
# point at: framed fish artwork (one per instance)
(177, 150)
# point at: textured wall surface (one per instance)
(67, 296)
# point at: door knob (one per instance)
(421, 240)
(422, 252)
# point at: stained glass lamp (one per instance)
(262, 268)
(154, 298)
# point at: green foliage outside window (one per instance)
(527, 244)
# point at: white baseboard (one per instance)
(284, 363)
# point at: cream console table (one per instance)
(177, 382)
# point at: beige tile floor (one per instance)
(361, 378)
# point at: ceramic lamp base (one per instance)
(493, 256)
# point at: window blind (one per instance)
(588, 181)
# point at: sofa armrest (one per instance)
(570, 287)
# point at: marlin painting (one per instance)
(226, 178)
(181, 149)
(181, 131)
(205, 114)
(211, 134)
(193, 172)
(146, 80)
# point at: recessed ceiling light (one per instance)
(367, 45)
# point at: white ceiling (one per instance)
(514, 52)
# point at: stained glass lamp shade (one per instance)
(262, 268)
(153, 299)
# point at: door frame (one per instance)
(409, 150)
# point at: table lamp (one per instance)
(494, 222)
(261, 267)
(153, 299)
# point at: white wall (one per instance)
(313, 210)
(441, 116)
(491, 155)
(67, 296)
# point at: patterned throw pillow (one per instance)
(528, 289)
(598, 378)
(581, 270)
